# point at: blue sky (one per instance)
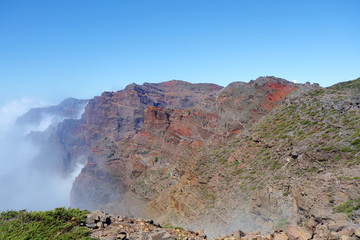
(55, 49)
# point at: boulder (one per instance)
(280, 236)
(238, 234)
(92, 225)
(336, 227)
(200, 233)
(296, 233)
(94, 216)
(322, 232)
(99, 224)
(99, 216)
(121, 235)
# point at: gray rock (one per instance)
(99, 216)
(238, 234)
(92, 225)
(296, 233)
(109, 238)
(121, 235)
(340, 217)
(356, 214)
(357, 232)
(94, 217)
(106, 220)
(336, 227)
(200, 233)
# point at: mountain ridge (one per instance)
(250, 156)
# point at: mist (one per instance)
(23, 184)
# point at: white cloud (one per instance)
(13, 109)
(24, 186)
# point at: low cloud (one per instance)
(23, 184)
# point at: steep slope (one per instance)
(251, 156)
(114, 115)
(300, 162)
(120, 114)
(159, 171)
(113, 119)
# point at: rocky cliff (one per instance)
(52, 130)
(258, 155)
(69, 108)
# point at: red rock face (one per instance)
(147, 131)
(212, 157)
(277, 92)
(115, 126)
(119, 115)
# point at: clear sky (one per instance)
(55, 49)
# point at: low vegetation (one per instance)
(348, 207)
(281, 224)
(60, 223)
(354, 84)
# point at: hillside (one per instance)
(252, 156)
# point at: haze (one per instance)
(23, 183)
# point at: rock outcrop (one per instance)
(110, 227)
(265, 155)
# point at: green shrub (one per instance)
(354, 84)
(327, 148)
(348, 207)
(169, 226)
(60, 224)
(317, 92)
(346, 149)
(287, 193)
(275, 165)
(305, 122)
(356, 142)
(281, 224)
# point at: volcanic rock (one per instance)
(254, 156)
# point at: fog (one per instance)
(22, 185)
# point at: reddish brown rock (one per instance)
(296, 233)
(257, 155)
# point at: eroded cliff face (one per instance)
(112, 129)
(251, 156)
(161, 167)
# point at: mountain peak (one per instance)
(268, 79)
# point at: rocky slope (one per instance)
(162, 145)
(253, 156)
(157, 170)
(110, 227)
